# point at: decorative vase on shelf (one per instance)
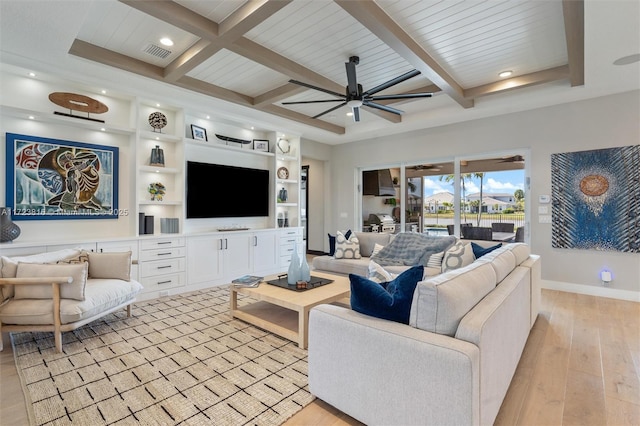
(305, 271)
(157, 157)
(293, 274)
(283, 195)
(9, 231)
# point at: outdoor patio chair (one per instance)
(477, 233)
(502, 227)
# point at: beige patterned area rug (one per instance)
(178, 360)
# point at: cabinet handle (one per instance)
(164, 254)
(164, 242)
(226, 244)
(164, 282)
(100, 250)
(163, 267)
(255, 241)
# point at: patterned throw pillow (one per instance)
(376, 248)
(378, 274)
(435, 260)
(458, 256)
(347, 248)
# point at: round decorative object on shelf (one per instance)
(283, 173)
(283, 146)
(9, 231)
(157, 120)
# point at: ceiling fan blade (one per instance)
(313, 102)
(397, 80)
(382, 107)
(356, 113)
(329, 110)
(339, 95)
(399, 96)
(352, 81)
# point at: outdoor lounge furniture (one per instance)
(477, 233)
(519, 235)
(502, 227)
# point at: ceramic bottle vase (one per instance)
(9, 231)
(293, 274)
(305, 271)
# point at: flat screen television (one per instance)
(216, 190)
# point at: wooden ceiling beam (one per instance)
(372, 17)
(539, 77)
(178, 16)
(573, 12)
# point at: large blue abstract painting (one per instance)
(58, 179)
(596, 199)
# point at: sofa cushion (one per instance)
(457, 256)
(520, 250)
(435, 260)
(9, 265)
(439, 303)
(391, 300)
(347, 248)
(73, 290)
(368, 240)
(110, 265)
(341, 266)
(503, 262)
(479, 251)
(100, 296)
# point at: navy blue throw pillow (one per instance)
(332, 242)
(479, 251)
(390, 301)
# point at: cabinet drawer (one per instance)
(165, 281)
(161, 243)
(291, 233)
(162, 267)
(163, 253)
(289, 240)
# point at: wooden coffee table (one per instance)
(286, 312)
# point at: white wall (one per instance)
(599, 123)
(317, 156)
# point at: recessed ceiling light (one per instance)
(32, 74)
(208, 117)
(504, 74)
(102, 129)
(158, 105)
(349, 114)
(104, 92)
(626, 60)
(166, 41)
(31, 117)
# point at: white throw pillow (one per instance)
(115, 265)
(435, 260)
(378, 274)
(458, 256)
(376, 248)
(347, 249)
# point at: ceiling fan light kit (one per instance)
(355, 97)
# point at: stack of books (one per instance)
(247, 281)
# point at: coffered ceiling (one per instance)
(244, 53)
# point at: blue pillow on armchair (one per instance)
(390, 300)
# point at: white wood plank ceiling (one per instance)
(247, 51)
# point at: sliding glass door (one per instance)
(449, 197)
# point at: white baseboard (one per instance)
(611, 293)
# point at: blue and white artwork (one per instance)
(57, 179)
(596, 199)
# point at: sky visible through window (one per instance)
(494, 182)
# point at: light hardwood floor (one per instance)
(581, 365)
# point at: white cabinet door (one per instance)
(237, 255)
(204, 259)
(265, 252)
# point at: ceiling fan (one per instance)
(355, 97)
(518, 159)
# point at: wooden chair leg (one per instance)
(128, 310)
(57, 322)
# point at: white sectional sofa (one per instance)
(62, 290)
(451, 365)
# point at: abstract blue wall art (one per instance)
(596, 199)
(56, 179)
